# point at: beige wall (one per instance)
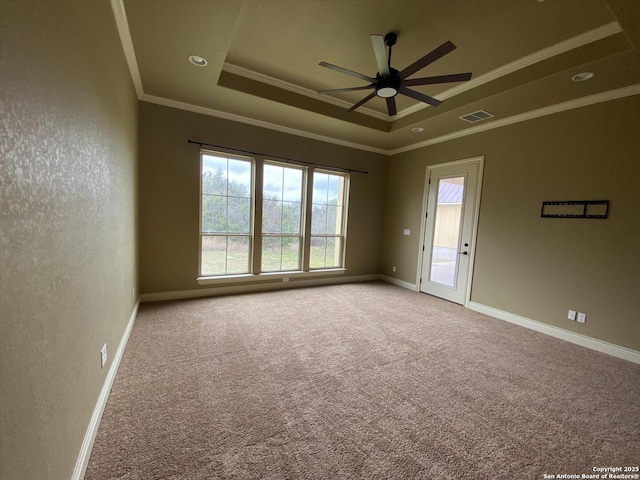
(68, 225)
(169, 191)
(536, 267)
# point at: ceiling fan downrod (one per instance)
(390, 40)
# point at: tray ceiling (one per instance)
(263, 60)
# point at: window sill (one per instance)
(276, 276)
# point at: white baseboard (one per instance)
(90, 435)
(257, 287)
(582, 340)
(399, 283)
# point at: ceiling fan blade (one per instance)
(456, 77)
(348, 72)
(419, 96)
(350, 89)
(364, 100)
(381, 54)
(391, 106)
(429, 58)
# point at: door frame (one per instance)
(476, 213)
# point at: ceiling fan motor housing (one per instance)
(388, 86)
(390, 39)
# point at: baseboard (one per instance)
(582, 340)
(257, 287)
(399, 283)
(90, 435)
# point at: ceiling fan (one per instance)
(390, 82)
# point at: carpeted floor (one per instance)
(358, 381)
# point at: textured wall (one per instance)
(170, 188)
(538, 267)
(68, 123)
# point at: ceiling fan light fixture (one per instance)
(198, 61)
(386, 92)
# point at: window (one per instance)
(300, 225)
(226, 220)
(281, 218)
(327, 220)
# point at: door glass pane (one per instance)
(446, 236)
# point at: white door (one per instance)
(452, 198)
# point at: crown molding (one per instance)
(274, 82)
(257, 123)
(523, 117)
(122, 24)
(503, 122)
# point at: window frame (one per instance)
(303, 210)
(345, 202)
(256, 235)
(227, 234)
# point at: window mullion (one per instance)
(308, 209)
(257, 217)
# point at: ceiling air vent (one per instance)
(476, 116)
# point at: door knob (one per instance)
(463, 253)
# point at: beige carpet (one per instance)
(358, 381)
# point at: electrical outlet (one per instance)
(285, 279)
(582, 317)
(571, 315)
(133, 293)
(103, 356)
(393, 269)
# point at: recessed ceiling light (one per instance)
(581, 77)
(198, 61)
(417, 129)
